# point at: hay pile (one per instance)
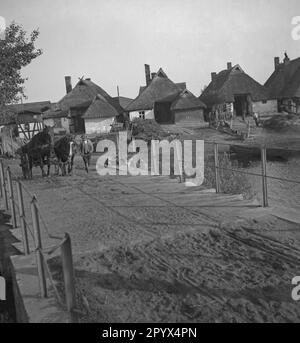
(147, 130)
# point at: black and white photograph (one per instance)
(149, 165)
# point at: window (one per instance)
(142, 114)
(264, 101)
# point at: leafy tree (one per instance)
(17, 50)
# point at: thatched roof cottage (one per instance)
(180, 107)
(27, 117)
(284, 84)
(69, 112)
(165, 101)
(233, 89)
(158, 85)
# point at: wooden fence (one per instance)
(15, 207)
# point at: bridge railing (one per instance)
(33, 242)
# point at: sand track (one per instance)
(149, 250)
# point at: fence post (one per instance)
(22, 218)
(1, 188)
(38, 247)
(217, 165)
(69, 278)
(11, 198)
(4, 194)
(264, 176)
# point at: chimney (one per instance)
(147, 74)
(213, 77)
(153, 76)
(68, 83)
(286, 59)
(276, 62)
(229, 65)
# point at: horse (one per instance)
(65, 149)
(36, 153)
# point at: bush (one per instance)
(231, 182)
(281, 121)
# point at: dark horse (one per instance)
(65, 150)
(37, 153)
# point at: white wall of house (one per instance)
(269, 106)
(149, 114)
(98, 125)
(65, 123)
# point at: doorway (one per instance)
(242, 105)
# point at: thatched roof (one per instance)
(285, 80)
(25, 118)
(181, 85)
(30, 107)
(100, 108)
(55, 113)
(123, 101)
(231, 82)
(183, 100)
(83, 92)
(23, 113)
(160, 86)
(81, 96)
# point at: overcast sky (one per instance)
(111, 40)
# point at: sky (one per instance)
(109, 41)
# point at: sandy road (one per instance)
(153, 250)
(101, 212)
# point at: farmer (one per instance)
(86, 149)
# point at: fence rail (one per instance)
(19, 219)
(264, 175)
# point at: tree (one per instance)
(17, 50)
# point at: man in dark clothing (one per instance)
(86, 149)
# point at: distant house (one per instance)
(158, 85)
(234, 91)
(284, 84)
(182, 106)
(28, 117)
(69, 112)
